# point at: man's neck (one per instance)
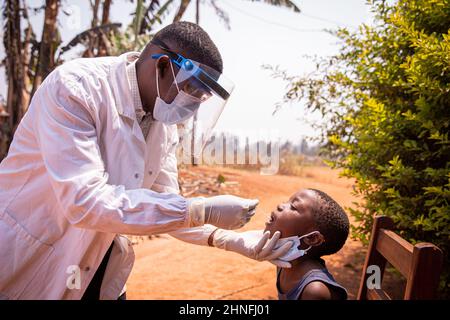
(144, 81)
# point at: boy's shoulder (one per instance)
(317, 283)
(321, 285)
(317, 290)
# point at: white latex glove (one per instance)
(226, 211)
(253, 244)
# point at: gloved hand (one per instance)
(253, 244)
(226, 211)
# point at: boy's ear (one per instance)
(315, 239)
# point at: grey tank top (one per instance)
(321, 275)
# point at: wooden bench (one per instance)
(420, 264)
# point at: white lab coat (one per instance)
(77, 174)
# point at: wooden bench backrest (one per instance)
(420, 264)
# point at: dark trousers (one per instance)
(93, 290)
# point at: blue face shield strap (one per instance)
(196, 72)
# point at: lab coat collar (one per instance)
(134, 85)
(121, 86)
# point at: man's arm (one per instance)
(67, 138)
(251, 244)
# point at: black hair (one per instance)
(193, 39)
(332, 222)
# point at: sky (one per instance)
(260, 35)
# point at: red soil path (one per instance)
(166, 268)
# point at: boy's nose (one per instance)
(281, 206)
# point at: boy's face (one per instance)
(294, 218)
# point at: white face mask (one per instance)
(181, 108)
(294, 252)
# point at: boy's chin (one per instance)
(271, 229)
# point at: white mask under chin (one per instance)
(294, 252)
(181, 108)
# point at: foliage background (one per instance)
(385, 101)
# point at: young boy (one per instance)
(322, 226)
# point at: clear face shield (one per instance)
(199, 94)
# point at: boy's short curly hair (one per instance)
(192, 38)
(332, 222)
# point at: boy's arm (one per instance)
(316, 290)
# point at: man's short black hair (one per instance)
(193, 39)
(332, 222)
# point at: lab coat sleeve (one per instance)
(67, 137)
(197, 235)
(167, 181)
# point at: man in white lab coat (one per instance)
(94, 157)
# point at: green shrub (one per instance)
(385, 99)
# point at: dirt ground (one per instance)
(166, 268)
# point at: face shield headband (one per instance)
(197, 72)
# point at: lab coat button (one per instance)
(136, 175)
(150, 172)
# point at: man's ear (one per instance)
(162, 64)
(314, 239)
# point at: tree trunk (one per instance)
(197, 11)
(103, 43)
(105, 13)
(95, 7)
(26, 62)
(194, 120)
(15, 102)
(47, 48)
(181, 10)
